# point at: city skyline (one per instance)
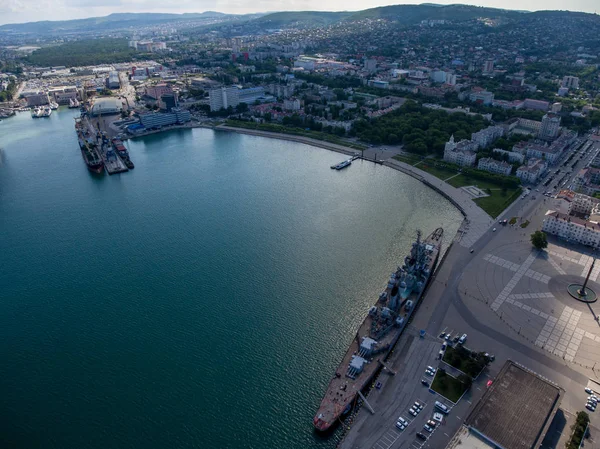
(22, 11)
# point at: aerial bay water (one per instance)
(202, 300)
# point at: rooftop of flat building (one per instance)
(517, 408)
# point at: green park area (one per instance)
(450, 387)
(470, 363)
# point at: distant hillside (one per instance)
(410, 14)
(110, 22)
(300, 18)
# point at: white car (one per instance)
(412, 412)
(494, 230)
(400, 426)
(403, 421)
(590, 407)
(427, 428)
(462, 339)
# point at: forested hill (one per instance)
(84, 52)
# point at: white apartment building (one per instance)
(582, 204)
(572, 229)
(293, 104)
(223, 97)
(494, 166)
(531, 172)
(570, 82)
(461, 153)
(486, 136)
(550, 127)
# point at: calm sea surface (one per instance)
(201, 300)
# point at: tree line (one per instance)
(84, 52)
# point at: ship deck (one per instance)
(342, 390)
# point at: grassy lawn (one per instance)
(513, 220)
(448, 386)
(496, 202)
(439, 172)
(525, 224)
(408, 159)
(462, 180)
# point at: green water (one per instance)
(201, 300)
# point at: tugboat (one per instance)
(380, 330)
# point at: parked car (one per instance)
(427, 428)
(462, 339)
(421, 436)
(424, 382)
(400, 426)
(412, 412)
(589, 390)
(431, 423)
(443, 334)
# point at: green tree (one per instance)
(539, 240)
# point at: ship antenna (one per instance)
(418, 236)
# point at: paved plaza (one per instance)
(526, 288)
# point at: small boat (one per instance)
(53, 105)
(342, 165)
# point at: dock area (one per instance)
(112, 163)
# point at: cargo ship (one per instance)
(123, 153)
(88, 147)
(380, 330)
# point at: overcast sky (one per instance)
(18, 11)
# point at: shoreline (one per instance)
(475, 220)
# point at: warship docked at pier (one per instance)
(88, 147)
(379, 332)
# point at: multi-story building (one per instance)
(223, 97)
(572, 229)
(550, 127)
(494, 166)
(370, 65)
(488, 67)
(159, 119)
(512, 155)
(486, 136)
(570, 82)
(113, 82)
(537, 105)
(293, 104)
(438, 76)
(36, 98)
(484, 97)
(461, 153)
(251, 94)
(587, 181)
(533, 171)
(158, 90)
(583, 205)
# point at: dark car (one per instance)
(424, 382)
(421, 436)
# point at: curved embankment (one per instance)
(476, 220)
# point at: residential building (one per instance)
(293, 104)
(513, 156)
(572, 229)
(370, 65)
(486, 136)
(494, 166)
(550, 127)
(533, 171)
(223, 97)
(570, 82)
(488, 67)
(587, 181)
(379, 83)
(438, 76)
(168, 101)
(461, 153)
(583, 205)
